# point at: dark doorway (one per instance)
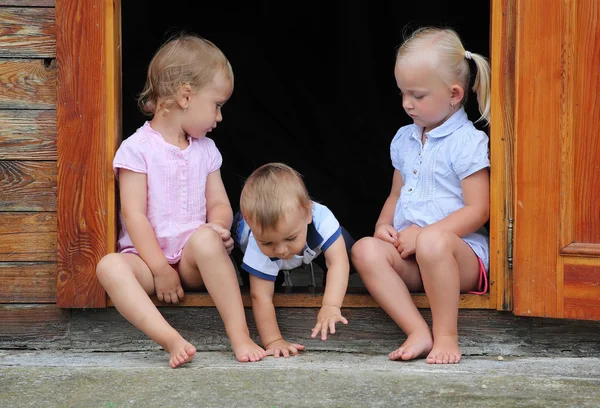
(314, 86)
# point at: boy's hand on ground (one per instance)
(167, 284)
(406, 244)
(283, 348)
(224, 233)
(386, 232)
(327, 318)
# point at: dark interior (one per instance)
(314, 86)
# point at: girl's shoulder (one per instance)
(404, 132)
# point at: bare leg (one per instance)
(128, 281)
(448, 266)
(389, 279)
(205, 261)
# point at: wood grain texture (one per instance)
(27, 135)
(27, 3)
(27, 186)
(83, 188)
(27, 282)
(581, 249)
(582, 291)
(27, 84)
(27, 32)
(538, 150)
(29, 237)
(502, 64)
(33, 326)
(586, 122)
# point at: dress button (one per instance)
(409, 190)
(184, 205)
(415, 171)
(184, 189)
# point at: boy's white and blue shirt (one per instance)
(322, 232)
(432, 174)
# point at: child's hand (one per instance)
(327, 318)
(283, 348)
(224, 233)
(386, 232)
(407, 241)
(167, 284)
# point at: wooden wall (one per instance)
(28, 168)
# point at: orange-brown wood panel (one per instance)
(27, 185)
(27, 84)
(85, 50)
(27, 236)
(27, 282)
(586, 123)
(27, 135)
(582, 291)
(27, 32)
(539, 99)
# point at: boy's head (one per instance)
(276, 205)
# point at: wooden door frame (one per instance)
(88, 50)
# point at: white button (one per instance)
(184, 206)
(184, 189)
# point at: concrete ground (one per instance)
(54, 378)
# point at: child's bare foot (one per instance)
(246, 350)
(445, 350)
(181, 352)
(417, 344)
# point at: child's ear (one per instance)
(183, 96)
(457, 94)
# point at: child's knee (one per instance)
(365, 251)
(206, 241)
(108, 265)
(432, 244)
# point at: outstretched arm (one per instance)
(261, 291)
(219, 214)
(338, 269)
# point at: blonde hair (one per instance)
(185, 59)
(443, 47)
(270, 192)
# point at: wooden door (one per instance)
(557, 159)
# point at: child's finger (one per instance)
(332, 326)
(180, 293)
(316, 330)
(324, 332)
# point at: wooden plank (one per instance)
(313, 297)
(582, 291)
(502, 61)
(27, 186)
(33, 326)
(27, 32)
(27, 135)
(27, 84)
(581, 249)
(27, 3)
(27, 237)
(27, 282)
(86, 80)
(538, 118)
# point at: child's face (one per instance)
(204, 108)
(425, 97)
(288, 238)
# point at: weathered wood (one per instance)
(370, 330)
(85, 40)
(27, 32)
(27, 237)
(27, 3)
(27, 135)
(27, 84)
(502, 64)
(33, 326)
(27, 282)
(27, 186)
(313, 297)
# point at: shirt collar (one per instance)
(453, 123)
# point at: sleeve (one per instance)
(258, 264)
(215, 160)
(326, 225)
(470, 154)
(131, 157)
(398, 148)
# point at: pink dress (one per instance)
(176, 186)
